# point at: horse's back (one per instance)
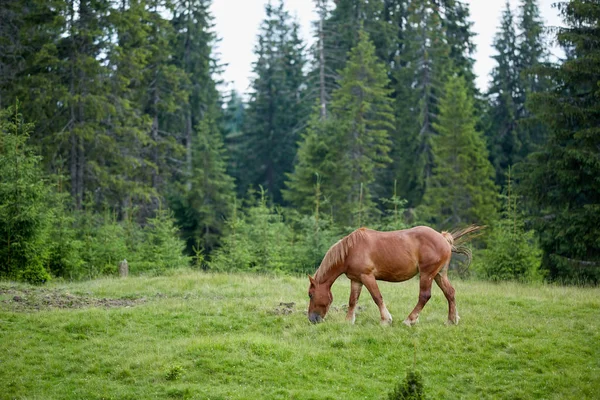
(397, 255)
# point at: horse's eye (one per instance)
(310, 295)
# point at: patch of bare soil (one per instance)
(14, 299)
(284, 308)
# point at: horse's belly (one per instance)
(397, 273)
(384, 272)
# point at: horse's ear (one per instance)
(311, 279)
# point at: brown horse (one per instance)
(366, 256)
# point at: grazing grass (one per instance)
(218, 336)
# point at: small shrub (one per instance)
(35, 274)
(104, 244)
(411, 388)
(512, 254)
(162, 248)
(258, 241)
(174, 372)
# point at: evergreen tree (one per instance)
(276, 109)
(364, 116)
(258, 240)
(161, 248)
(87, 101)
(10, 46)
(233, 123)
(511, 252)
(512, 131)
(532, 53)
(503, 113)
(458, 30)
(347, 150)
(193, 43)
(340, 34)
(128, 170)
(25, 218)
(318, 161)
(461, 189)
(75, 85)
(560, 181)
(204, 206)
(163, 97)
(28, 37)
(321, 72)
(420, 74)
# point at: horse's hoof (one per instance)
(386, 322)
(408, 322)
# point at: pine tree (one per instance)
(234, 114)
(348, 149)
(25, 218)
(163, 98)
(340, 34)
(258, 240)
(364, 115)
(319, 160)
(512, 131)
(28, 38)
(511, 251)
(193, 44)
(276, 109)
(560, 181)
(458, 30)
(532, 53)
(204, 205)
(10, 46)
(503, 92)
(461, 189)
(127, 169)
(420, 74)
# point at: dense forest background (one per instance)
(115, 142)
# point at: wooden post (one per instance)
(123, 269)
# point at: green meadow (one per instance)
(193, 335)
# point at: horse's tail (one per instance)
(457, 238)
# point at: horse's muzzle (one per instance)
(315, 318)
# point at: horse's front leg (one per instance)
(355, 288)
(371, 285)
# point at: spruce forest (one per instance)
(116, 141)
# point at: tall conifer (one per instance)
(348, 150)
(461, 189)
(560, 181)
(503, 113)
(203, 205)
(420, 73)
(512, 131)
(276, 110)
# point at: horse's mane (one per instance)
(338, 252)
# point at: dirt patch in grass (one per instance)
(23, 300)
(284, 308)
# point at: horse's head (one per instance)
(320, 300)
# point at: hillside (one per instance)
(216, 336)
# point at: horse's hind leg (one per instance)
(442, 281)
(424, 295)
(355, 289)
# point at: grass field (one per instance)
(215, 336)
